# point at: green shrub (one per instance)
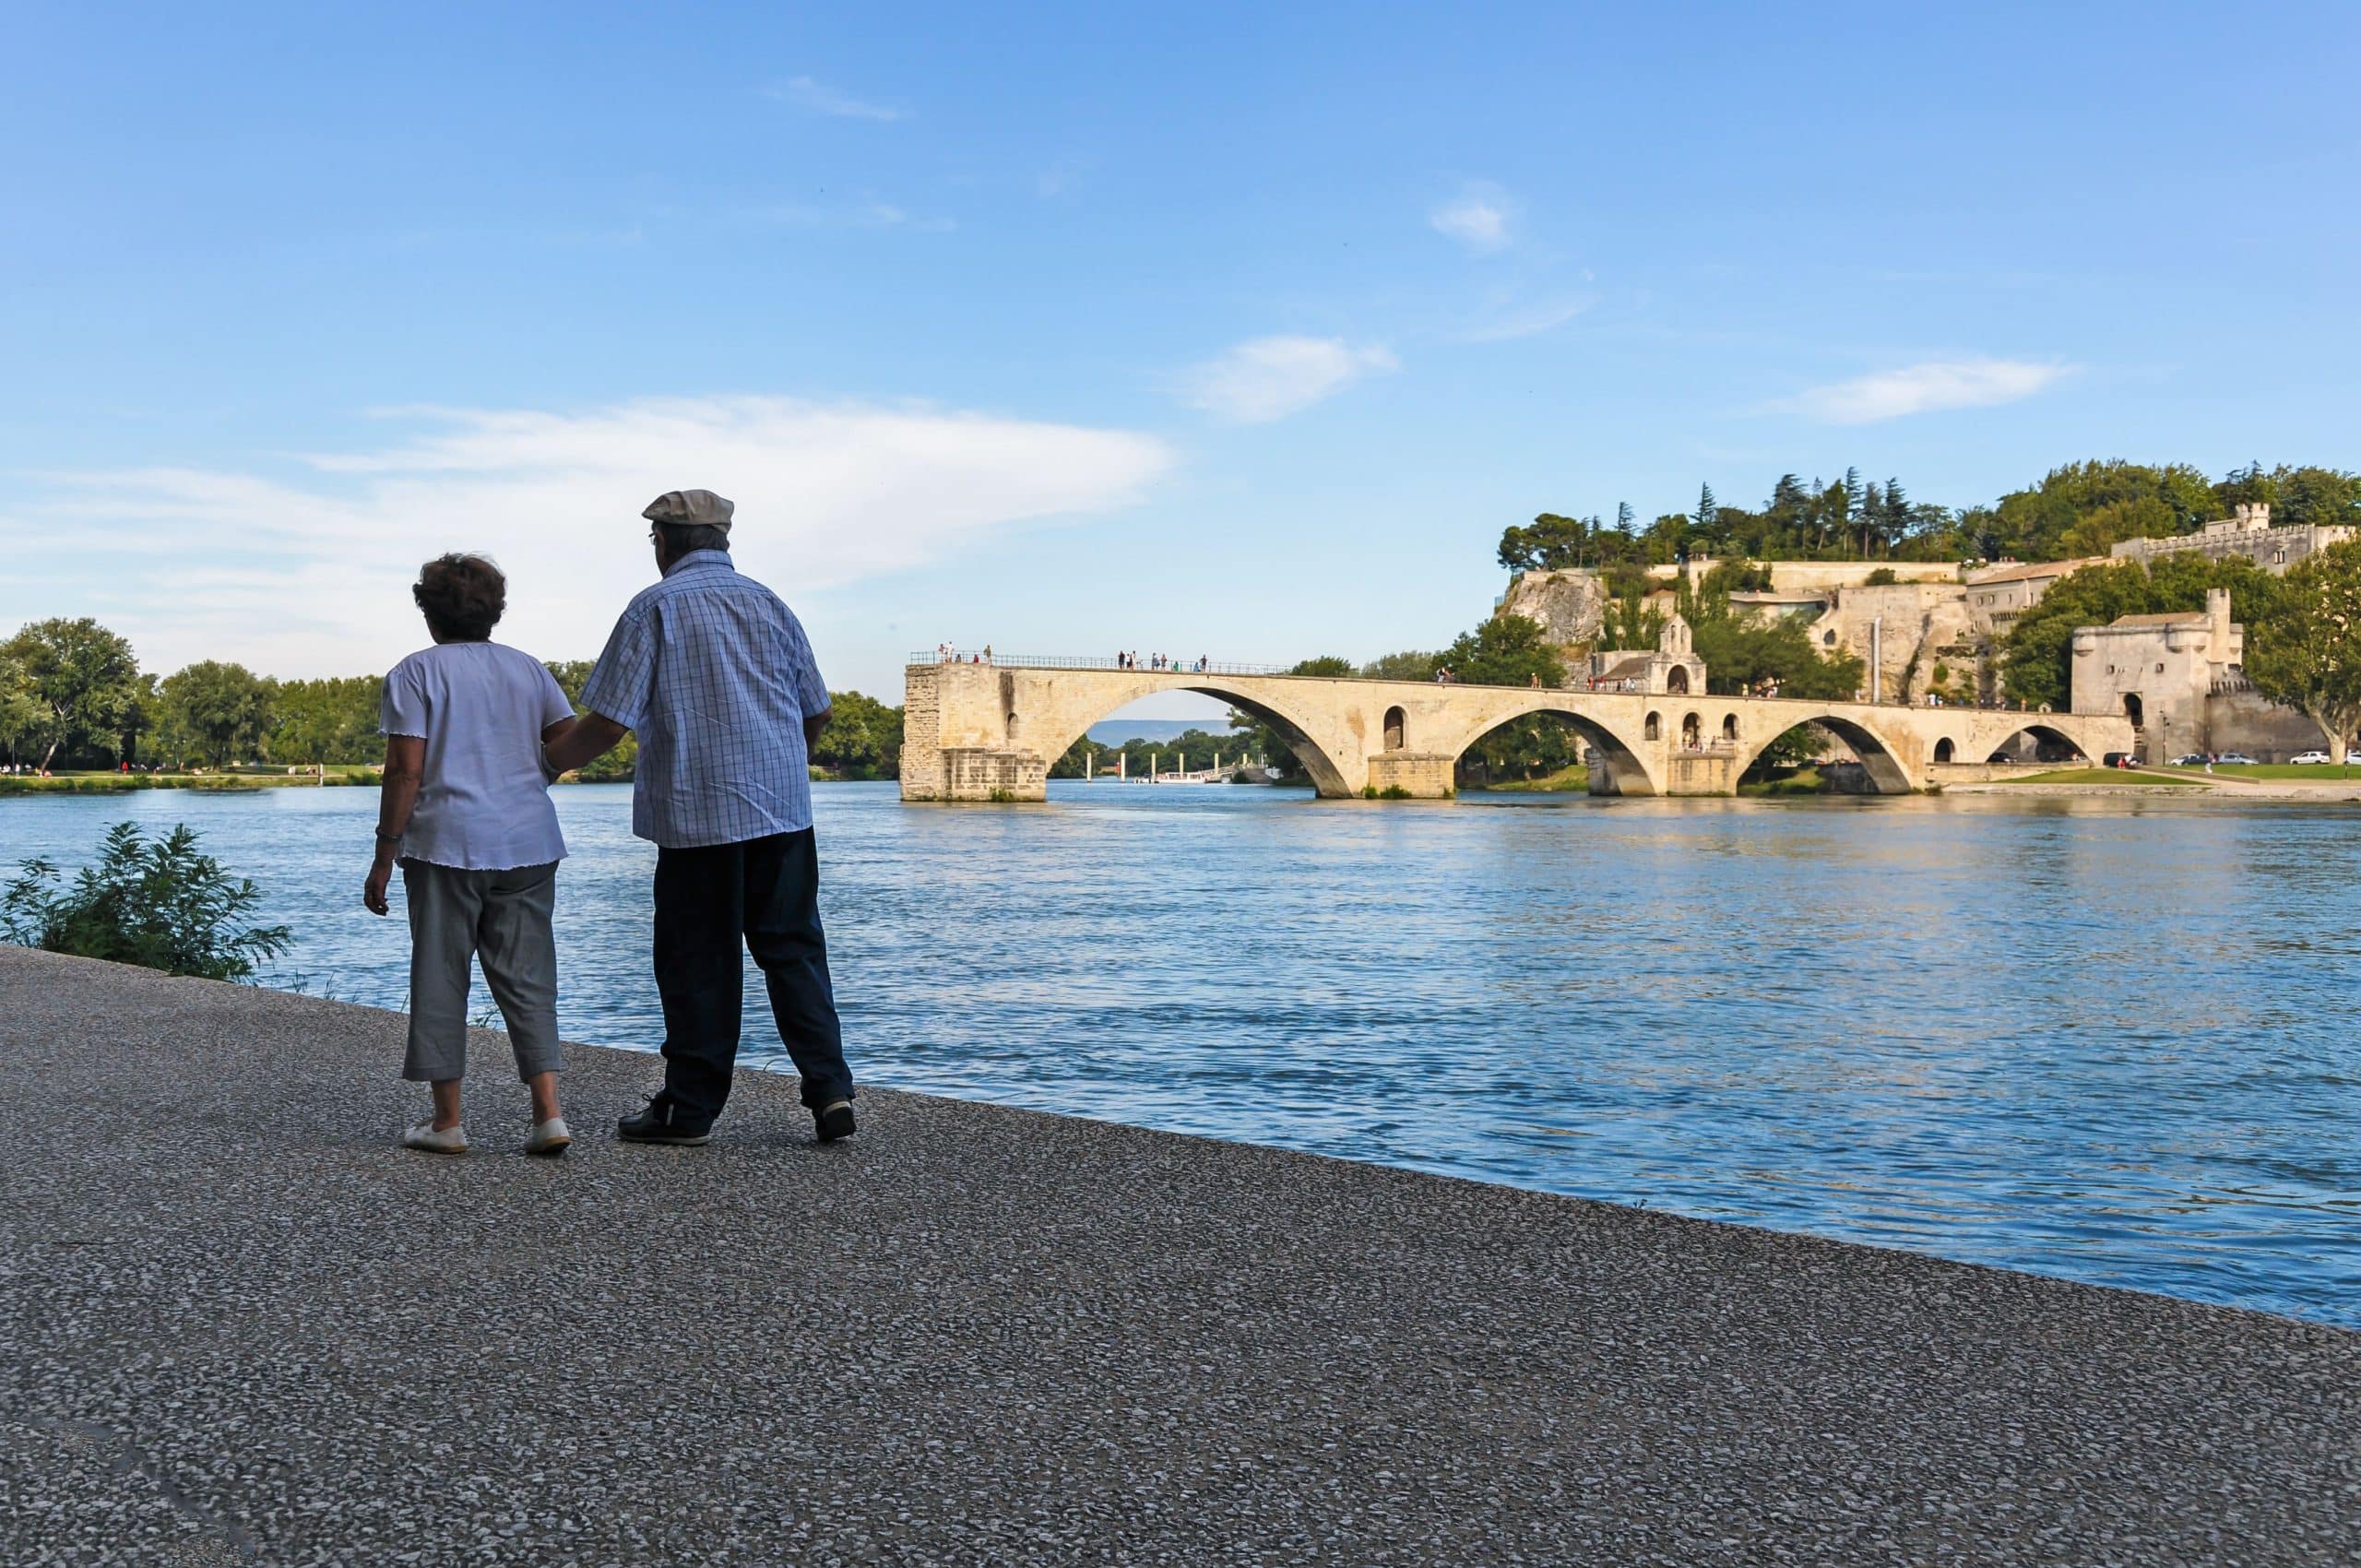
(1394, 793)
(1883, 577)
(157, 903)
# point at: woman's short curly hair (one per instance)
(462, 597)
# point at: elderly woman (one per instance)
(465, 811)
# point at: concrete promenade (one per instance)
(237, 1325)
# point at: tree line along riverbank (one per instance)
(75, 705)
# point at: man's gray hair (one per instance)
(681, 538)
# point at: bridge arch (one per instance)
(1625, 772)
(1326, 778)
(1886, 772)
(1396, 729)
(2050, 744)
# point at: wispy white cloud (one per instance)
(1480, 218)
(1269, 378)
(307, 574)
(1925, 388)
(1525, 320)
(818, 98)
(866, 214)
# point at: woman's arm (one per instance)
(397, 798)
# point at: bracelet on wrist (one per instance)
(385, 838)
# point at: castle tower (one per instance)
(1674, 641)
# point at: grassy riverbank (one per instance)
(2277, 772)
(1574, 781)
(125, 783)
(2103, 776)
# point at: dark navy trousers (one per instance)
(714, 904)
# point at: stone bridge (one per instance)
(990, 731)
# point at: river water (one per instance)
(2111, 1040)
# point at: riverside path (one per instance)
(241, 1327)
(975, 731)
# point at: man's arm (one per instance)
(813, 724)
(590, 738)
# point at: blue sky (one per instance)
(1240, 331)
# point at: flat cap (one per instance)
(690, 508)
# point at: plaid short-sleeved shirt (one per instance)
(714, 673)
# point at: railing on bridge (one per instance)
(1146, 666)
(1087, 661)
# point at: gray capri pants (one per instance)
(502, 916)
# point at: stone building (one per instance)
(1996, 596)
(2249, 533)
(2180, 679)
(1672, 668)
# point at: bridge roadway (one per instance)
(990, 731)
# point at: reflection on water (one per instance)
(2106, 1040)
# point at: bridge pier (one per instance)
(1419, 776)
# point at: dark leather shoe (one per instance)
(834, 1121)
(662, 1122)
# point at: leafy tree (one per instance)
(1507, 650)
(2322, 496)
(1552, 544)
(23, 717)
(1628, 620)
(2308, 652)
(1405, 666)
(2035, 524)
(1747, 655)
(329, 720)
(82, 677)
(862, 740)
(156, 903)
(225, 708)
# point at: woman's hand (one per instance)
(373, 892)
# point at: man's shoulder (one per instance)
(729, 586)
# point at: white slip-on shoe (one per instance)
(549, 1138)
(423, 1136)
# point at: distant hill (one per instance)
(1115, 732)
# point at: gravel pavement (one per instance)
(237, 1325)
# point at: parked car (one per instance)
(2233, 759)
(2118, 759)
(2311, 759)
(2189, 759)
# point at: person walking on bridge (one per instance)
(714, 673)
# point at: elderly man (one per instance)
(714, 673)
